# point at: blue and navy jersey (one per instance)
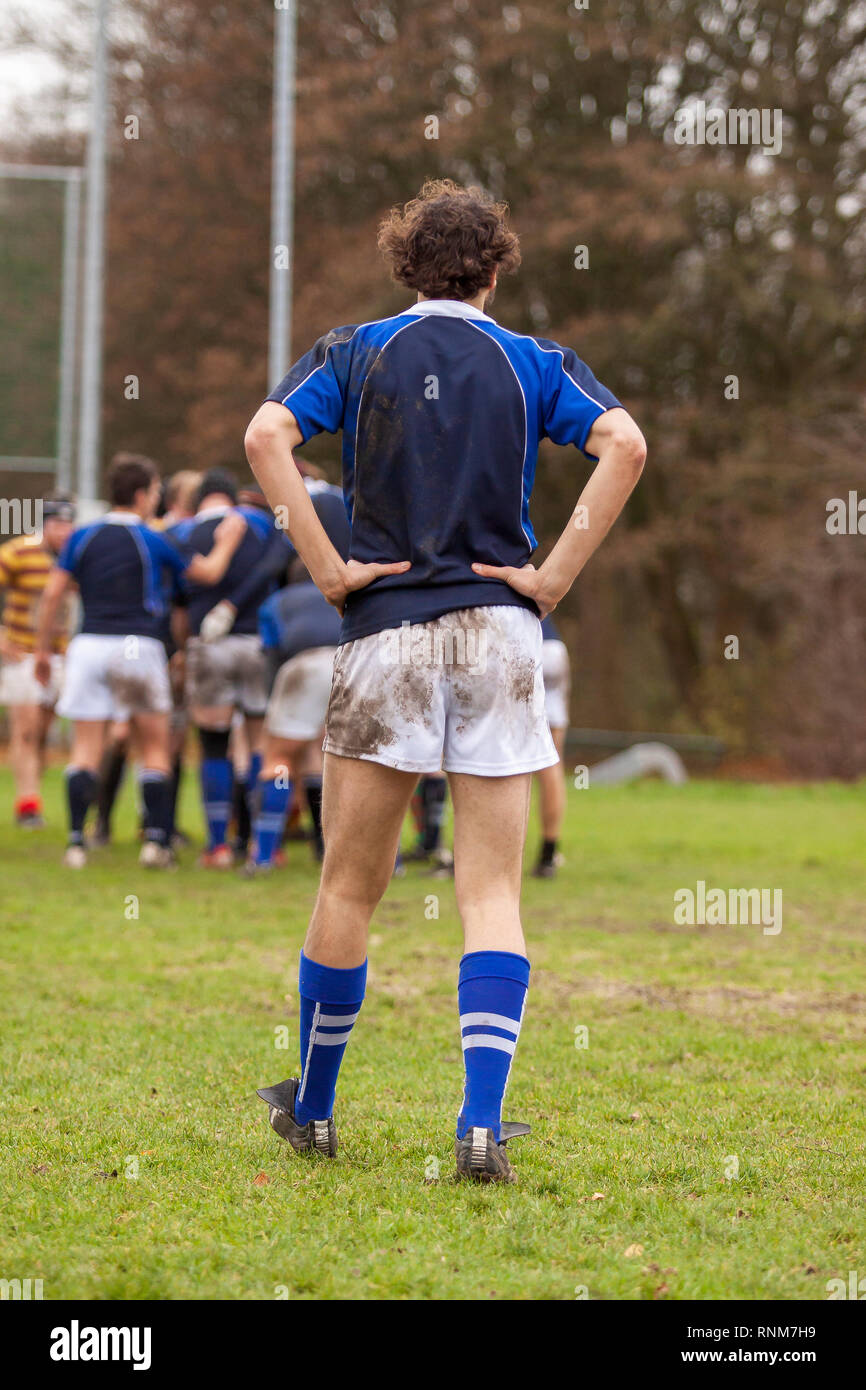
(442, 411)
(195, 536)
(330, 508)
(126, 574)
(296, 619)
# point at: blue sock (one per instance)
(217, 779)
(269, 817)
(491, 993)
(331, 1000)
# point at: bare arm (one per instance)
(620, 449)
(59, 582)
(271, 436)
(209, 569)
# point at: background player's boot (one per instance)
(481, 1159)
(156, 856)
(319, 1136)
(219, 858)
(75, 857)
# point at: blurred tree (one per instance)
(718, 289)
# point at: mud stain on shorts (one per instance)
(358, 722)
(132, 691)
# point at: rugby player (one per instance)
(299, 632)
(226, 673)
(556, 671)
(441, 411)
(25, 564)
(179, 497)
(116, 667)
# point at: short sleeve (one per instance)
(315, 388)
(573, 398)
(268, 628)
(68, 558)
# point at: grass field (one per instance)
(707, 1143)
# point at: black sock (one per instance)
(434, 794)
(156, 796)
(111, 770)
(81, 787)
(548, 851)
(174, 791)
(241, 808)
(313, 793)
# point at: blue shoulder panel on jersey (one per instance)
(71, 553)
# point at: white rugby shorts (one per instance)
(19, 686)
(110, 677)
(299, 699)
(557, 682)
(461, 693)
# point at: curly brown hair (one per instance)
(449, 241)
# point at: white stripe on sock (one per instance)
(330, 1039)
(489, 1040)
(492, 1021)
(300, 1095)
(334, 1020)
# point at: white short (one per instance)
(463, 693)
(111, 677)
(230, 671)
(19, 686)
(299, 699)
(557, 682)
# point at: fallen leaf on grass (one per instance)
(632, 1251)
(598, 1196)
(261, 1180)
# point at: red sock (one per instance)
(28, 806)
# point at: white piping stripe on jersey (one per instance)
(489, 1040)
(300, 1095)
(324, 360)
(334, 1020)
(525, 423)
(493, 1020)
(330, 1039)
(560, 353)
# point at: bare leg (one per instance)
(551, 791)
(490, 816)
(24, 749)
(364, 805)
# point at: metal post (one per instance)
(282, 190)
(71, 221)
(94, 271)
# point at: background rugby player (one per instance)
(116, 668)
(299, 632)
(227, 673)
(25, 564)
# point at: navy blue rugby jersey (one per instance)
(442, 411)
(239, 583)
(126, 574)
